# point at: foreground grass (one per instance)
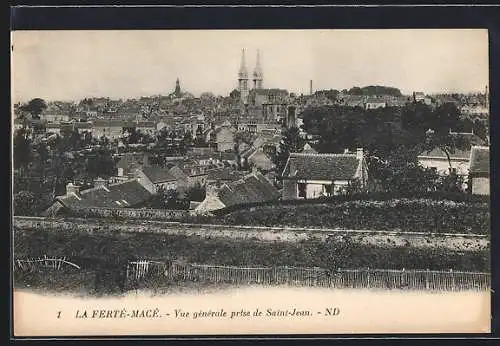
(109, 252)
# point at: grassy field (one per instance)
(107, 251)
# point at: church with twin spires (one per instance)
(261, 105)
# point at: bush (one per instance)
(410, 215)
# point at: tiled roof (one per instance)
(436, 152)
(120, 195)
(321, 166)
(145, 124)
(271, 91)
(480, 160)
(158, 174)
(177, 172)
(251, 189)
(224, 174)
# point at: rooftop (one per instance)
(120, 195)
(158, 174)
(437, 152)
(321, 166)
(227, 174)
(250, 189)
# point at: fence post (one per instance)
(452, 280)
(368, 277)
(403, 278)
(427, 279)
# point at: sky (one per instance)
(71, 65)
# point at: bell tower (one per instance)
(258, 76)
(243, 79)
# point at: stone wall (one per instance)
(130, 213)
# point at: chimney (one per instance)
(100, 182)
(310, 87)
(346, 151)
(145, 160)
(359, 153)
(72, 189)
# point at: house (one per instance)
(479, 171)
(224, 137)
(129, 162)
(146, 127)
(189, 173)
(53, 128)
(252, 188)
(219, 176)
(109, 128)
(438, 160)
(161, 125)
(128, 194)
(418, 96)
(83, 126)
(258, 158)
(315, 175)
(18, 124)
(155, 177)
(55, 117)
(181, 177)
(374, 104)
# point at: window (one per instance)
(302, 188)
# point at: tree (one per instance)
(196, 193)
(448, 143)
(402, 173)
(235, 94)
(100, 164)
(173, 200)
(23, 203)
(292, 142)
(22, 149)
(199, 140)
(35, 107)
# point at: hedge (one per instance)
(411, 215)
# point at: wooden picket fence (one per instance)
(32, 264)
(344, 278)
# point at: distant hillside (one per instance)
(374, 90)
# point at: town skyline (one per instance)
(131, 64)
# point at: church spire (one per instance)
(243, 79)
(177, 91)
(257, 73)
(243, 74)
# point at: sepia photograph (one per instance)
(210, 182)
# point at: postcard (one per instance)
(244, 182)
